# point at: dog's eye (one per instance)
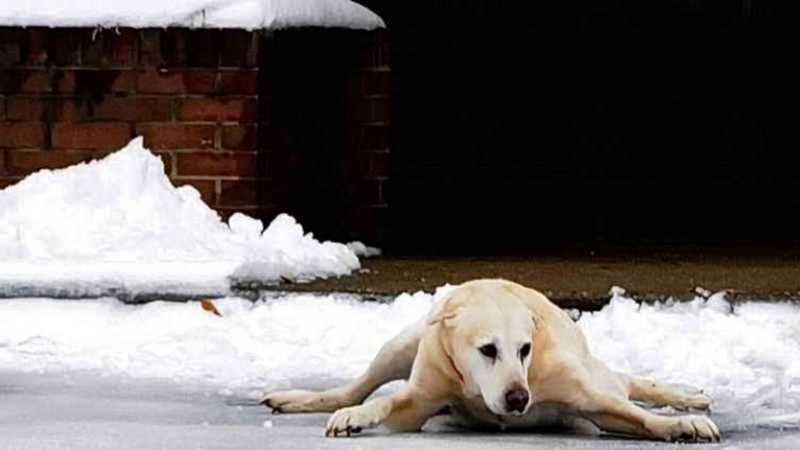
(524, 351)
(489, 351)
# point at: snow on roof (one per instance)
(247, 14)
(119, 225)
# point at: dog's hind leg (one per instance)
(659, 394)
(393, 362)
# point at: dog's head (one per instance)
(487, 333)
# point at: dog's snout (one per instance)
(517, 399)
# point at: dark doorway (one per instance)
(521, 125)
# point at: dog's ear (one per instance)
(531, 298)
(442, 310)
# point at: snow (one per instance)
(746, 360)
(247, 14)
(119, 226)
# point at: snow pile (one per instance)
(746, 356)
(746, 360)
(248, 14)
(118, 225)
(269, 344)
(284, 251)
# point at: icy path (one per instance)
(747, 360)
(66, 412)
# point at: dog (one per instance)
(497, 354)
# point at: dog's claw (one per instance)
(275, 409)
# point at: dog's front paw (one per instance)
(694, 402)
(347, 421)
(691, 428)
(294, 401)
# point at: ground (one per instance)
(65, 412)
(42, 412)
(583, 280)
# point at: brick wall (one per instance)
(325, 144)
(203, 101)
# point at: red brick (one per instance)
(112, 80)
(206, 187)
(380, 164)
(10, 49)
(368, 192)
(2, 109)
(373, 50)
(240, 48)
(150, 47)
(243, 192)
(159, 136)
(23, 162)
(370, 110)
(215, 109)
(66, 109)
(173, 47)
(239, 137)
(381, 110)
(203, 47)
(373, 164)
(36, 46)
(223, 164)
(133, 109)
(25, 108)
(71, 81)
(241, 82)
(36, 81)
(246, 192)
(65, 45)
(123, 48)
(109, 48)
(176, 82)
(126, 81)
(43, 109)
(21, 135)
(363, 164)
(14, 81)
(371, 137)
(375, 83)
(90, 135)
(63, 81)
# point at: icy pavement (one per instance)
(72, 412)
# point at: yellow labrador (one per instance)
(499, 354)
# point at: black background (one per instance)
(542, 124)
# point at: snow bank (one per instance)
(269, 344)
(119, 225)
(248, 14)
(746, 360)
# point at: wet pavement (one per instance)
(583, 281)
(64, 412)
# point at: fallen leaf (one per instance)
(208, 306)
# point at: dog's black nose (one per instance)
(516, 399)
